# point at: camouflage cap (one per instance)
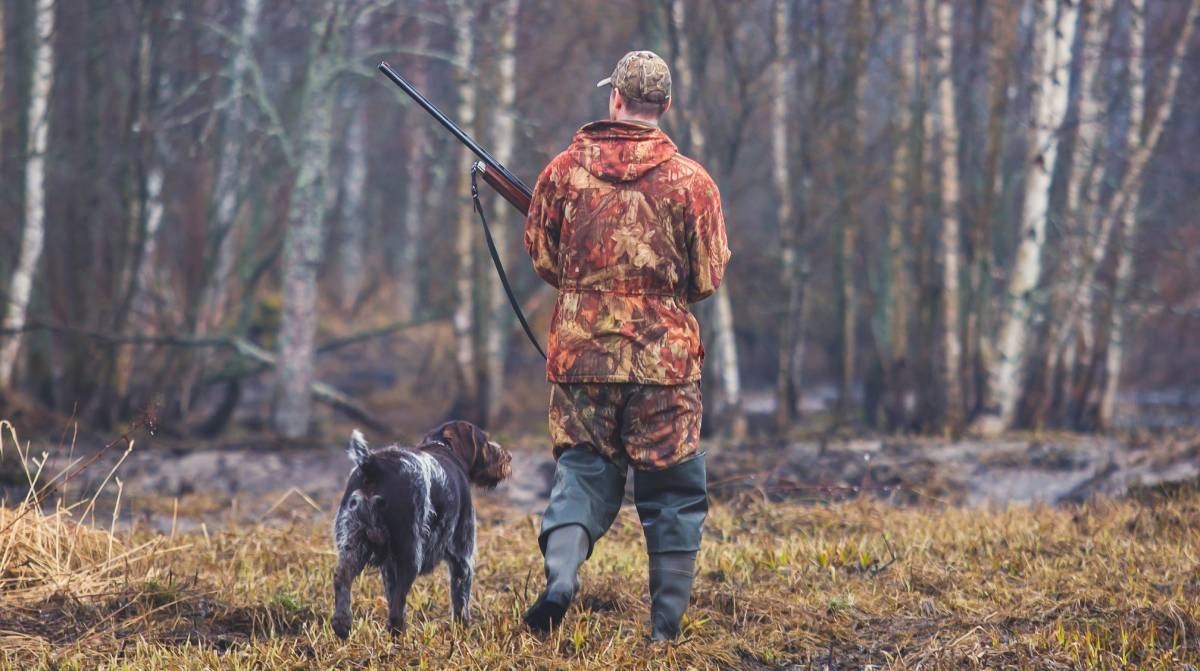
(641, 76)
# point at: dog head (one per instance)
(487, 462)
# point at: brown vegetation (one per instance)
(1110, 584)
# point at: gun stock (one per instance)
(507, 190)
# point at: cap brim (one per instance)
(604, 82)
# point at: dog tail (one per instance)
(357, 449)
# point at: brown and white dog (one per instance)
(406, 510)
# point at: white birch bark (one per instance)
(1140, 147)
(849, 187)
(145, 217)
(950, 245)
(504, 129)
(1084, 245)
(33, 235)
(1054, 33)
(781, 178)
(302, 242)
(725, 360)
(415, 200)
(894, 309)
(230, 175)
(226, 200)
(981, 315)
(353, 243)
(463, 15)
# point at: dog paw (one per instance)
(341, 626)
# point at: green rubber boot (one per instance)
(671, 575)
(566, 548)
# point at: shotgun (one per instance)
(508, 185)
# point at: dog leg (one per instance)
(462, 575)
(398, 577)
(349, 565)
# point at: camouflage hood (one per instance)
(619, 151)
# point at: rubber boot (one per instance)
(671, 575)
(566, 548)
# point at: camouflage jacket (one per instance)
(630, 232)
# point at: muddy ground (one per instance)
(249, 482)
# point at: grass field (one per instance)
(855, 585)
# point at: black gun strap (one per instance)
(491, 243)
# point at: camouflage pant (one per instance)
(652, 426)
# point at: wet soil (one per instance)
(252, 482)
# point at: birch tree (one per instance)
(462, 13)
(895, 306)
(225, 200)
(789, 325)
(416, 165)
(353, 219)
(231, 173)
(950, 246)
(305, 222)
(145, 217)
(725, 350)
(1053, 37)
(1004, 22)
(1082, 246)
(851, 130)
(1141, 137)
(33, 234)
(504, 130)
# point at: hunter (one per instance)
(630, 232)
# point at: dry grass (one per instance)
(855, 585)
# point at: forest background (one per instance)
(945, 216)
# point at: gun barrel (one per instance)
(449, 125)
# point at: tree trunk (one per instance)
(952, 415)
(468, 403)
(32, 238)
(786, 380)
(1053, 39)
(504, 131)
(1139, 147)
(228, 190)
(979, 319)
(725, 360)
(849, 193)
(1083, 247)
(408, 260)
(352, 246)
(230, 177)
(304, 237)
(894, 308)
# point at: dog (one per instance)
(406, 510)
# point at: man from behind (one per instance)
(631, 233)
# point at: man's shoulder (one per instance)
(561, 162)
(689, 168)
(688, 172)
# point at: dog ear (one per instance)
(358, 450)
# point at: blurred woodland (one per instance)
(946, 216)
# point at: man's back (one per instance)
(630, 232)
